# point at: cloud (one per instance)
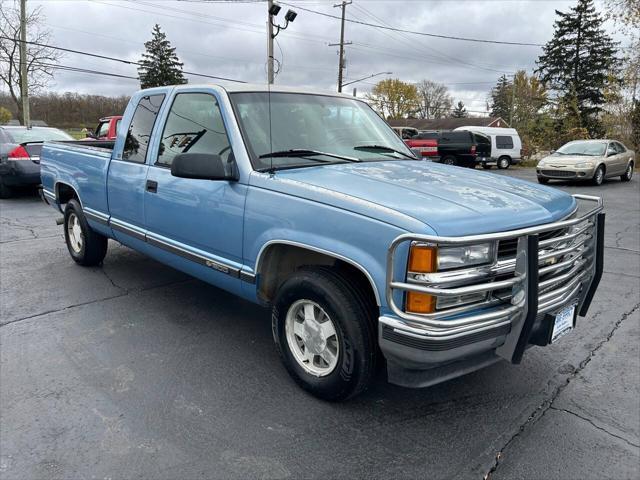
(229, 40)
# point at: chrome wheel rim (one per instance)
(74, 233)
(629, 172)
(312, 338)
(599, 176)
(504, 163)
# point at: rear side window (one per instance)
(504, 141)
(619, 147)
(194, 125)
(137, 142)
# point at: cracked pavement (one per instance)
(136, 370)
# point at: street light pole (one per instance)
(270, 42)
(342, 44)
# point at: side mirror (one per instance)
(204, 166)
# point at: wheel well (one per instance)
(65, 193)
(604, 168)
(505, 156)
(279, 261)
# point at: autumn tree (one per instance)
(460, 111)
(578, 61)
(160, 65)
(5, 116)
(393, 98)
(41, 59)
(434, 100)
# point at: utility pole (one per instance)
(270, 42)
(342, 43)
(24, 85)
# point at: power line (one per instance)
(413, 32)
(114, 59)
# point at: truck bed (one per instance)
(81, 165)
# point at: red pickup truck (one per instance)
(107, 128)
(428, 147)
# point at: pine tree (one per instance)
(578, 61)
(459, 111)
(159, 65)
(501, 98)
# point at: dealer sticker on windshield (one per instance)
(563, 322)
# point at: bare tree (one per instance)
(41, 59)
(435, 101)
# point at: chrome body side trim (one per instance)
(96, 216)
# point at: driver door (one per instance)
(199, 221)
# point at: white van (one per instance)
(506, 146)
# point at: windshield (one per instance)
(21, 135)
(592, 149)
(333, 125)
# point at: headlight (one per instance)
(541, 163)
(584, 165)
(430, 259)
(464, 256)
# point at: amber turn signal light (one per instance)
(423, 259)
(420, 302)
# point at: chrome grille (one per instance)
(559, 173)
(566, 264)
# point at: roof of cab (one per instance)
(233, 87)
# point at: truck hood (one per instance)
(452, 201)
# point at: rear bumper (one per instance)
(548, 275)
(20, 172)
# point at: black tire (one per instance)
(449, 160)
(504, 163)
(543, 180)
(598, 176)
(94, 245)
(628, 174)
(5, 190)
(354, 325)
(486, 167)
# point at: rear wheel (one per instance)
(324, 333)
(5, 190)
(628, 174)
(449, 160)
(503, 163)
(598, 176)
(85, 246)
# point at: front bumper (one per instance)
(555, 265)
(552, 172)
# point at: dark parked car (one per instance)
(20, 155)
(462, 148)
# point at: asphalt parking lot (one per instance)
(135, 370)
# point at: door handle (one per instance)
(152, 186)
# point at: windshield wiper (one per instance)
(301, 152)
(384, 148)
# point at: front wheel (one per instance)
(503, 163)
(85, 246)
(628, 174)
(598, 177)
(325, 334)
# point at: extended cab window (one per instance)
(504, 141)
(194, 125)
(135, 146)
(103, 129)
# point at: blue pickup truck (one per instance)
(309, 203)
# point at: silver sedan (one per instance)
(592, 160)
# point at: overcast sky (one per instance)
(229, 40)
